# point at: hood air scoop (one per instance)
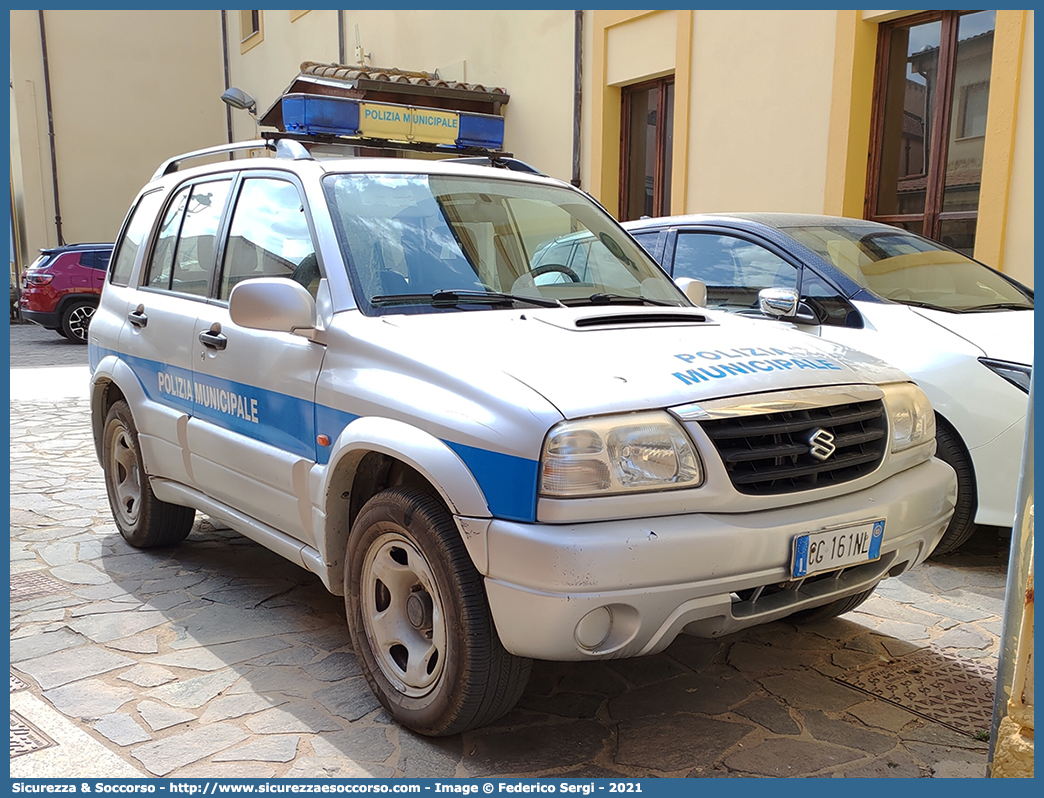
(640, 319)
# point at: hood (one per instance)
(592, 361)
(1000, 334)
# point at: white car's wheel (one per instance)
(833, 609)
(962, 525)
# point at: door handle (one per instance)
(213, 339)
(137, 317)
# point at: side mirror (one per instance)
(786, 304)
(695, 290)
(778, 302)
(276, 304)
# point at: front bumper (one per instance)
(551, 587)
(997, 466)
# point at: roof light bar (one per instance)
(309, 114)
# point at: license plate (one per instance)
(837, 548)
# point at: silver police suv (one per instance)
(379, 370)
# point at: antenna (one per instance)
(360, 56)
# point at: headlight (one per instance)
(618, 454)
(910, 415)
(1015, 373)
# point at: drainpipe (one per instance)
(340, 37)
(228, 76)
(578, 90)
(50, 131)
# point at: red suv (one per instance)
(60, 289)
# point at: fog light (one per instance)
(594, 628)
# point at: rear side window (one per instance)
(183, 258)
(96, 259)
(133, 237)
(162, 263)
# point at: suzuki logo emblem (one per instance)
(821, 444)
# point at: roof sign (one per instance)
(341, 116)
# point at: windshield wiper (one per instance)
(915, 304)
(452, 298)
(998, 306)
(619, 299)
(973, 309)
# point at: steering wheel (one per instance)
(548, 268)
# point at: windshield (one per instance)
(906, 268)
(426, 243)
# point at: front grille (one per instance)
(772, 453)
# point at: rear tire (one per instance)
(419, 620)
(76, 320)
(962, 525)
(144, 521)
(833, 609)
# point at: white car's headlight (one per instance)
(618, 454)
(910, 415)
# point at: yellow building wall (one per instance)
(1017, 258)
(759, 110)
(855, 45)
(128, 89)
(629, 47)
(266, 69)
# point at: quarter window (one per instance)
(137, 229)
(269, 237)
(651, 242)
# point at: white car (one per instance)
(963, 331)
(361, 364)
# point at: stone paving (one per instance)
(220, 659)
(33, 346)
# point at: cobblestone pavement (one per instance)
(33, 346)
(220, 659)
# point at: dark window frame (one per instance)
(933, 216)
(660, 159)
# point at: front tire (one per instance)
(144, 521)
(76, 320)
(962, 524)
(419, 620)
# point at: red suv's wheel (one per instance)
(76, 319)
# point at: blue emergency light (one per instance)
(311, 114)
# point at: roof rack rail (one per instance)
(291, 145)
(512, 164)
(171, 164)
